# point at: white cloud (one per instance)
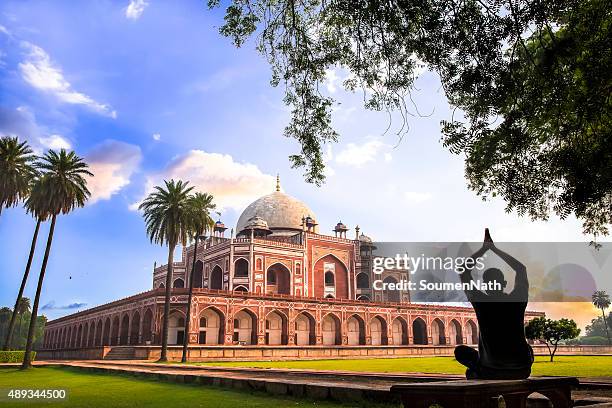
(112, 163)
(135, 9)
(331, 79)
(39, 71)
(358, 155)
(55, 142)
(233, 184)
(415, 197)
(156, 137)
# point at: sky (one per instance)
(149, 90)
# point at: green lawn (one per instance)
(581, 366)
(94, 390)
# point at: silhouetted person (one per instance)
(503, 352)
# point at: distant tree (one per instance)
(61, 188)
(551, 332)
(168, 217)
(597, 327)
(531, 80)
(601, 300)
(16, 171)
(201, 204)
(30, 207)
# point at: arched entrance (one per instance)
(455, 335)
(106, 337)
(178, 283)
(332, 334)
(135, 327)
(115, 331)
(471, 332)
(146, 326)
(363, 281)
(331, 277)
(245, 327)
(276, 328)
(216, 278)
(98, 339)
(419, 331)
(437, 332)
(278, 279)
(305, 329)
(378, 331)
(92, 336)
(197, 274)
(399, 328)
(125, 330)
(212, 327)
(388, 294)
(176, 329)
(356, 331)
(241, 268)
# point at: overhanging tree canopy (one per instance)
(531, 78)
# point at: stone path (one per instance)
(316, 384)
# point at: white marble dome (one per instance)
(282, 212)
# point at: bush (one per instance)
(593, 340)
(14, 356)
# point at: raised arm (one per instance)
(466, 277)
(521, 283)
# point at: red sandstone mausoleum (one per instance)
(279, 288)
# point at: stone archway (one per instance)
(197, 274)
(356, 331)
(276, 328)
(241, 268)
(278, 279)
(419, 331)
(98, 340)
(135, 328)
(388, 294)
(438, 337)
(305, 329)
(332, 331)
(378, 331)
(245, 327)
(399, 328)
(147, 322)
(125, 330)
(471, 332)
(455, 334)
(178, 283)
(212, 327)
(114, 331)
(106, 336)
(176, 328)
(216, 278)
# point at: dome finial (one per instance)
(277, 182)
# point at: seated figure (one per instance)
(503, 352)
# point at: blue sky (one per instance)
(150, 90)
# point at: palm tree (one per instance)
(23, 308)
(168, 217)
(61, 188)
(24, 280)
(16, 171)
(201, 205)
(601, 300)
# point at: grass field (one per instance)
(580, 366)
(94, 390)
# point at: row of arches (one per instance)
(305, 329)
(123, 329)
(134, 329)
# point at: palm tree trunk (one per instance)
(164, 349)
(9, 335)
(188, 314)
(603, 314)
(27, 358)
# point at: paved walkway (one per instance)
(318, 384)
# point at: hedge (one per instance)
(14, 356)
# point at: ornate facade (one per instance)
(278, 282)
